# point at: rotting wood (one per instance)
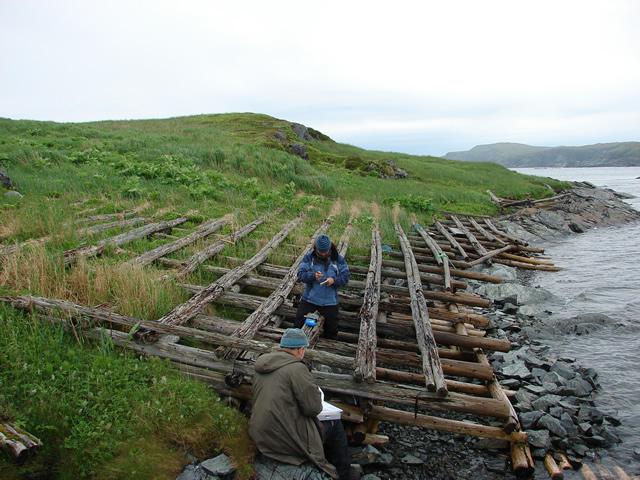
(445, 425)
(195, 304)
(202, 256)
(121, 224)
(521, 457)
(488, 235)
(587, 473)
(441, 258)
(491, 254)
(206, 229)
(552, 467)
(472, 239)
(262, 314)
(520, 258)
(365, 368)
(431, 365)
(452, 241)
(512, 263)
(511, 238)
(71, 256)
(495, 200)
(17, 442)
(497, 392)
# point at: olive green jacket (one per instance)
(286, 402)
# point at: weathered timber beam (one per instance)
(441, 258)
(203, 255)
(454, 243)
(365, 368)
(205, 230)
(195, 304)
(431, 365)
(262, 314)
(71, 256)
(446, 425)
(500, 233)
(477, 246)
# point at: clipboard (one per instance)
(329, 412)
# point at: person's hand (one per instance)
(319, 275)
(329, 281)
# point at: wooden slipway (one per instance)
(412, 347)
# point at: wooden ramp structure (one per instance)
(412, 347)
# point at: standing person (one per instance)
(323, 270)
(284, 424)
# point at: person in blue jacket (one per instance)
(323, 270)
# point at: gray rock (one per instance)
(268, 469)
(13, 193)
(193, 472)
(301, 132)
(576, 388)
(539, 439)
(563, 369)
(545, 402)
(300, 150)
(411, 460)
(528, 420)
(220, 465)
(553, 425)
(517, 370)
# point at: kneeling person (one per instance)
(286, 402)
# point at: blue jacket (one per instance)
(323, 295)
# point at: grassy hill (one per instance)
(514, 155)
(102, 412)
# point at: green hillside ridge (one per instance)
(101, 411)
(518, 155)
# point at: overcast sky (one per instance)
(421, 77)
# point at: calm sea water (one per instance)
(602, 275)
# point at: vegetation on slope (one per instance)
(101, 411)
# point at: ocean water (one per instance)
(602, 275)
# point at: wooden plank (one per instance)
(452, 241)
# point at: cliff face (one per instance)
(626, 154)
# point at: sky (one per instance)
(421, 77)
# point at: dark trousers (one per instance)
(330, 314)
(336, 448)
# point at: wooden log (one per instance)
(263, 313)
(193, 306)
(365, 368)
(477, 246)
(445, 425)
(452, 241)
(491, 254)
(71, 256)
(587, 473)
(495, 200)
(511, 238)
(564, 463)
(431, 365)
(202, 256)
(497, 392)
(17, 442)
(350, 413)
(620, 473)
(121, 224)
(521, 458)
(552, 467)
(512, 263)
(488, 235)
(441, 258)
(522, 259)
(375, 439)
(205, 230)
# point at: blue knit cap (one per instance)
(293, 338)
(323, 243)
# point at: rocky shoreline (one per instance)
(554, 395)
